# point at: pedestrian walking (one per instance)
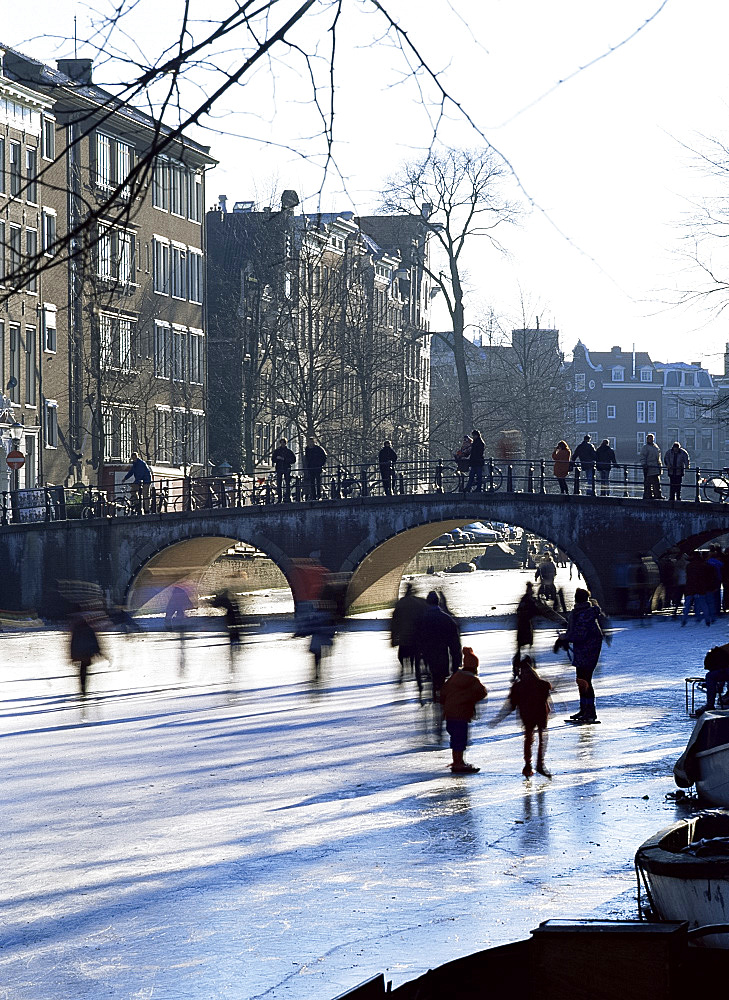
(586, 626)
(84, 647)
(677, 461)
(530, 697)
(283, 460)
(476, 462)
(387, 458)
(440, 642)
(141, 473)
(315, 459)
(459, 696)
(650, 462)
(586, 455)
(699, 580)
(605, 461)
(561, 457)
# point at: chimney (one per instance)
(289, 200)
(78, 70)
(616, 350)
(223, 203)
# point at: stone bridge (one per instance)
(135, 559)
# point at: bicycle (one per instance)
(455, 480)
(344, 486)
(716, 488)
(97, 504)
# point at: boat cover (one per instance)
(711, 731)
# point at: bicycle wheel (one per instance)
(351, 489)
(454, 481)
(88, 511)
(716, 489)
(492, 481)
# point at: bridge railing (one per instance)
(350, 482)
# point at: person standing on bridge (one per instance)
(315, 458)
(586, 455)
(650, 461)
(142, 475)
(476, 462)
(387, 458)
(677, 461)
(283, 459)
(561, 457)
(606, 460)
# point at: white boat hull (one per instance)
(713, 781)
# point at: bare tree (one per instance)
(460, 196)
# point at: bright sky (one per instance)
(602, 155)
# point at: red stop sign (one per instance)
(16, 460)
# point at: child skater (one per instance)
(529, 695)
(459, 696)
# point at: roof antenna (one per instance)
(75, 39)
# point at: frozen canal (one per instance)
(247, 833)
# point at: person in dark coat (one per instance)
(529, 608)
(605, 461)
(676, 461)
(315, 459)
(529, 695)
(476, 462)
(84, 647)
(386, 459)
(585, 454)
(716, 664)
(440, 643)
(459, 696)
(585, 633)
(404, 630)
(283, 459)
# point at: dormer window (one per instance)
(646, 375)
(618, 374)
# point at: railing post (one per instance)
(530, 479)
(698, 484)
(401, 484)
(577, 480)
(626, 488)
(439, 476)
(593, 479)
(510, 479)
(542, 485)
(298, 489)
(47, 498)
(364, 480)
(491, 475)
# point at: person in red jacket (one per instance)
(459, 696)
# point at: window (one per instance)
(14, 380)
(651, 411)
(579, 382)
(162, 433)
(49, 139)
(2, 255)
(689, 379)
(31, 174)
(671, 436)
(31, 251)
(640, 411)
(197, 355)
(161, 266)
(50, 338)
(640, 439)
(611, 412)
(30, 374)
(118, 424)
(48, 230)
(178, 189)
(113, 163)
(162, 350)
(179, 271)
(618, 374)
(707, 440)
(592, 412)
(14, 246)
(672, 409)
(2, 166)
(116, 341)
(195, 189)
(125, 255)
(197, 437)
(179, 356)
(195, 262)
(116, 255)
(15, 168)
(161, 184)
(646, 375)
(581, 414)
(50, 423)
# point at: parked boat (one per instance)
(685, 869)
(705, 761)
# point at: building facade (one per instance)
(120, 330)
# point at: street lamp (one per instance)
(16, 432)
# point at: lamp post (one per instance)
(17, 432)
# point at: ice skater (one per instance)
(459, 696)
(585, 632)
(530, 696)
(84, 647)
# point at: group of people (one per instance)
(428, 637)
(602, 460)
(314, 460)
(697, 581)
(470, 457)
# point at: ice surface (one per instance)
(248, 833)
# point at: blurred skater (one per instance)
(529, 696)
(404, 628)
(585, 632)
(459, 696)
(529, 608)
(440, 643)
(233, 619)
(84, 647)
